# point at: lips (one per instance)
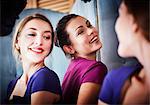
(95, 38)
(37, 50)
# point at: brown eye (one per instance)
(31, 35)
(80, 32)
(46, 37)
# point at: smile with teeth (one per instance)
(37, 50)
(94, 39)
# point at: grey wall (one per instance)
(7, 64)
(108, 13)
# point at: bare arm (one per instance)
(101, 103)
(44, 98)
(88, 93)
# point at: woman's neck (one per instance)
(143, 54)
(30, 68)
(144, 58)
(89, 56)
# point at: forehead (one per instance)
(75, 22)
(123, 8)
(37, 23)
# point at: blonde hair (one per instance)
(20, 26)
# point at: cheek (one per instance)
(83, 41)
(48, 46)
(77, 44)
(25, 41)
(117, 26)
(21, 44)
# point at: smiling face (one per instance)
(34, 41)
(83, 36)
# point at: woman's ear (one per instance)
(134, 25)
(17, 44)
(56, 42)
(68, 49)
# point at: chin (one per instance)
(99, 46)
(37, 60)
(123, 52)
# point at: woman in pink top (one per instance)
(80, 41)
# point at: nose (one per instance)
(90, 31)
(38, 40)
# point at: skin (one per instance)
(132, 44)
(34, 43)
(84, 43)
(88, 93)
(137, 89)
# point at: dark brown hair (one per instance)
(140, 11)
(62, 34)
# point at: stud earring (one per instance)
(17, 46)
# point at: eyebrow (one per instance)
(87, 21)
(44, 31)
(32, 28)
(78, 27)
(47, 32)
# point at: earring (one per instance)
(72, 51)
(17, 46)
